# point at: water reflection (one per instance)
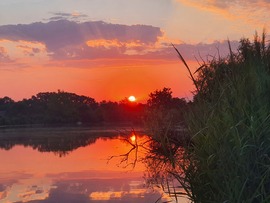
(82, 175)
(61, 141)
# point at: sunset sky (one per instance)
(111, 49)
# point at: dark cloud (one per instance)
(62, 14)
(2, 188)
(67, 39)
(36, 50)
(206, 52)
(67, 16)
(4, 57)
(72, 15)
(201, 51)
(99, 40)
(29, 51)
(55, 18)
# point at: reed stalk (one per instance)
(229, 124)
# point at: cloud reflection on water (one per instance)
(129, 188)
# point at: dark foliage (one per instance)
(228, 158)
(66, 108)
(163, 108)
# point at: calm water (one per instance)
(71, 165)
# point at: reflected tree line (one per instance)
(58, 141)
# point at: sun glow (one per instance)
(132, 99)
(133, 138)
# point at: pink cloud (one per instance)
(68, 39)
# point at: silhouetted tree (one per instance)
(164, 111)
(160, 98)
(67, 108)
(52, 108)
(5, 104)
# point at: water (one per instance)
(71, 165)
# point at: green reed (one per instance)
(228, 158)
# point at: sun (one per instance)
(132, 98)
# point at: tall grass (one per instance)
(227, 159)
(229, 154)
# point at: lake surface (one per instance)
(72, 165)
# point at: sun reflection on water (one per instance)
(133, 138)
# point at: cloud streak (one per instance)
(67, 16)
(225, 4)
(252, 12)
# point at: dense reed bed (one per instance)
(227, 156)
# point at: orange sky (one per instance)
(106, 83)
(77, 48)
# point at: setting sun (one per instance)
(131, 99)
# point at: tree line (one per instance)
(61, 107)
